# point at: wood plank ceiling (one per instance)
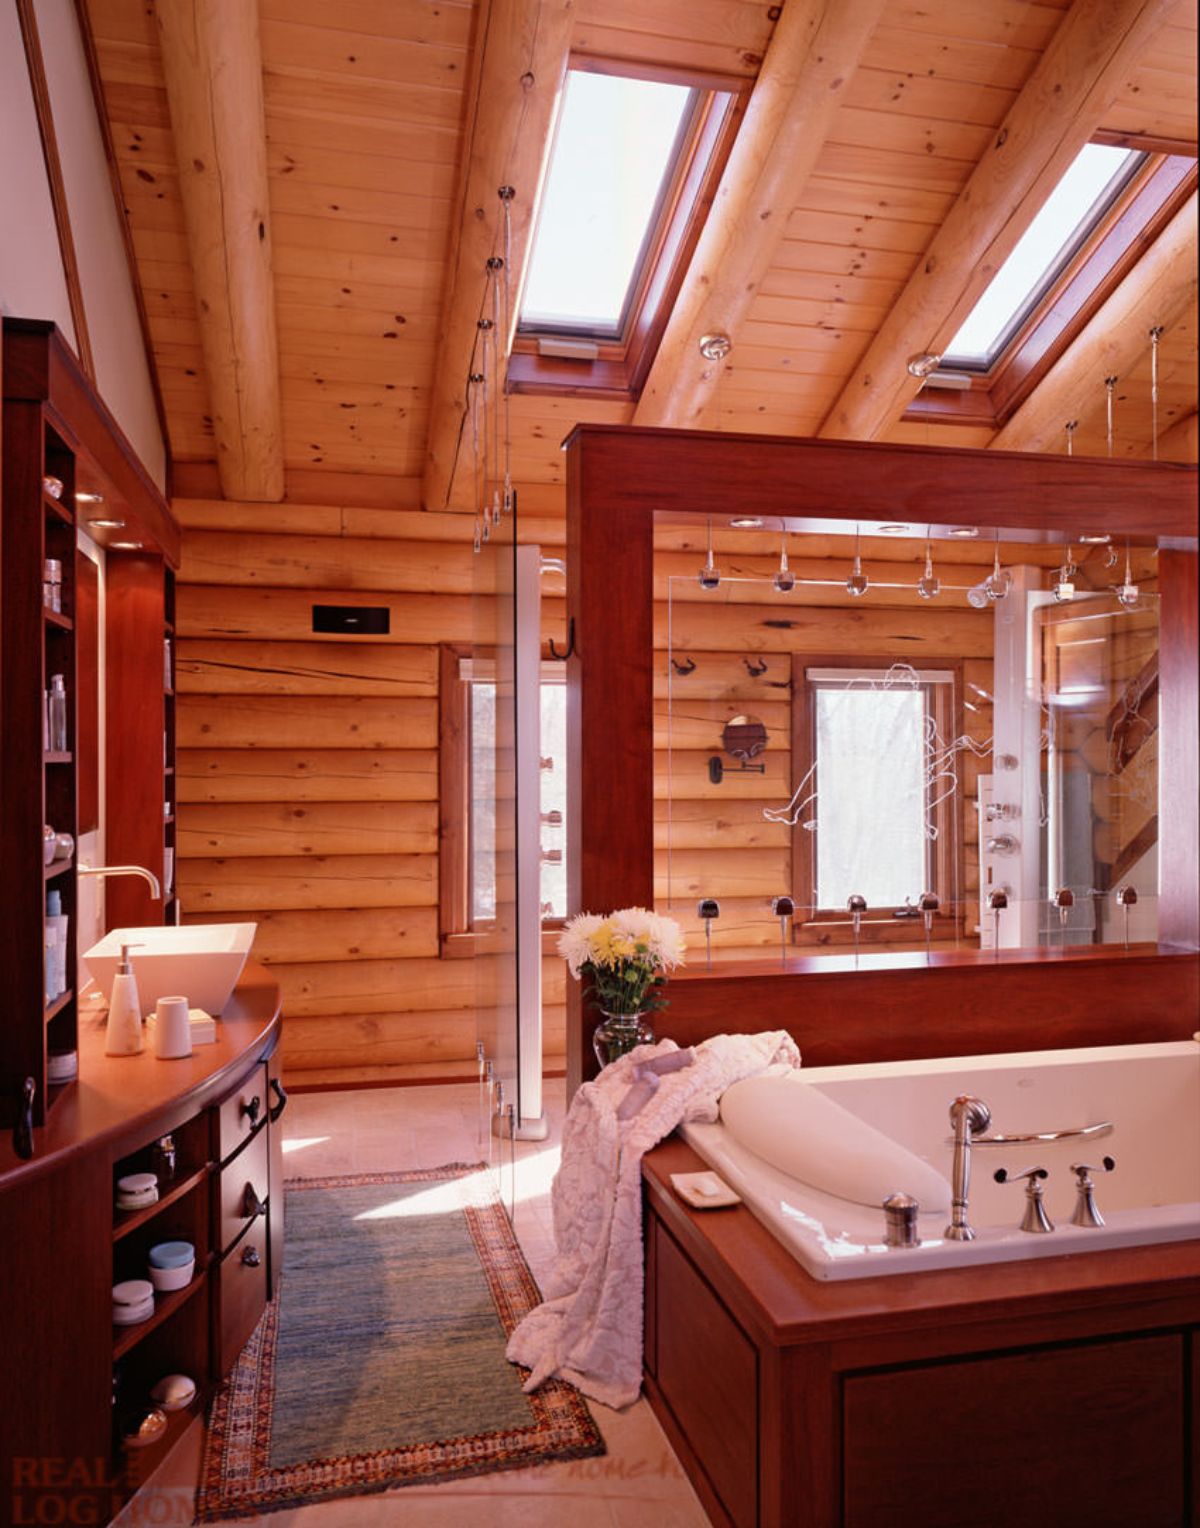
(365, 102)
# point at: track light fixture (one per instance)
(928, 585)
(709, 576)
(785, 579)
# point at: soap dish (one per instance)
(704, 1191)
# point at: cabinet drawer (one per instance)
(245, 1183)
(242, 1293)
(243, 1110)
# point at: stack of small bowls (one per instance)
(133, 1301)
(136, 1191)
(172, 1264)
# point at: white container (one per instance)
(202, 959)
(132, 1301)
(165, 1279)
(123, 1034)
(172, 1032)
(174, 1392)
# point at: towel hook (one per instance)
(755, 669)
(688, 666)
(554, 652)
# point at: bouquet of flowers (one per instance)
(625, 956)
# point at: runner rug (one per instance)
(380, 1362)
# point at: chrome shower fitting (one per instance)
(1035, 1217)
(783, 908)
(785, 579)
(858, 583)
(1085, 1212)
(901, 1228)
(856, 905)
(969, 1116)
(1001, 843)
(1064, 900)
(997, 901)
(928, 903)
(708, 909)
(1126, 898)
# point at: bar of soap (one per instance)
(710, 1187)
(203, 1027)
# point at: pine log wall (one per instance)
(308, 765)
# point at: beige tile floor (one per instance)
(638, 1483)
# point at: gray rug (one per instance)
(381, 1361)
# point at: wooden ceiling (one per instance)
(368, 105)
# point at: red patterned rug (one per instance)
(380, 1363)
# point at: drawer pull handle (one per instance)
(281, 1094)
(252, 1109)
(252, 1205)
(250, 1257)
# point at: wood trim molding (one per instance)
(110, 155)
(58, 191)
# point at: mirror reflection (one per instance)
(961, 734)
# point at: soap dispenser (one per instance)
(123, 1036)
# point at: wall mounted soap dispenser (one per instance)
(123, 1035)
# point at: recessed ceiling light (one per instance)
(923, 364)
(124, 546)
(89, 498)
(966, 532)
(893, 530)
(1095, 540)
(108, 524)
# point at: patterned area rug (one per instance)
(380, 1362)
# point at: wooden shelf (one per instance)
(59, 867)
(130, 1220)
(59, 1003)
(140, 1463)
(57, 507)
(58, 758)
(127, 1337)
(57, 618)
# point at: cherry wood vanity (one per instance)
(63, 1246)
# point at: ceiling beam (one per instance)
(519, 60)
(213, 69)
(1158, 289)
(811, 57)
(1063, 103)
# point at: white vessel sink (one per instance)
(200, 961)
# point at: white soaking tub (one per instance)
(895, 1126)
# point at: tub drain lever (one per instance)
(1035, 1217)
(1085, 1212)
(900, 1213)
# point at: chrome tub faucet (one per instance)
(970, 1117)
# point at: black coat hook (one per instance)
(755, 669)
(554, 652)
(686, 667)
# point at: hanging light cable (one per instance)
(928, 585)
(1155, 336)
(475, 382)
(709, 577)
(785, 579)
(498, 391)
(858, 583)
(484, 325)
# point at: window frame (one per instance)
(622, 365)
(459, 937)
(1136, 217)
(947, 857)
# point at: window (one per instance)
(883, 784)
(634, 167)
(1111, 205)
(474, 868)
(1071, 211)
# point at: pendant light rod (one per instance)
(1110, 385)
(1155, 336)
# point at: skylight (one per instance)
(615, 150)
(1068, 216)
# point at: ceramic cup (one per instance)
(172, 1032)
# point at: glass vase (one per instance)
(618, 1033)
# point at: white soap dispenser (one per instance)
(123, 1036)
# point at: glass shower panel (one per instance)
(1099, 818)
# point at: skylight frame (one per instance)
(621, 364)
(1083, 234)
(1148, 201)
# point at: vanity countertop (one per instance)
(119, 1102)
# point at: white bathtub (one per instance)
(1151, 1093)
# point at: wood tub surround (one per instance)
(65, 1246)
(624, 485)
(1055, 1393)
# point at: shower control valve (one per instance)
(1001, 811)
(1002, 843)
(1035, 1218)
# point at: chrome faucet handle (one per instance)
(1085, 1212)
(1035, 1217)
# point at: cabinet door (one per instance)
(1089, 1436)
(241, 1294)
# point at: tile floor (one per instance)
(638, 1483)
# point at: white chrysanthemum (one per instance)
(667, 941)
(575, 941)
(635, 923)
